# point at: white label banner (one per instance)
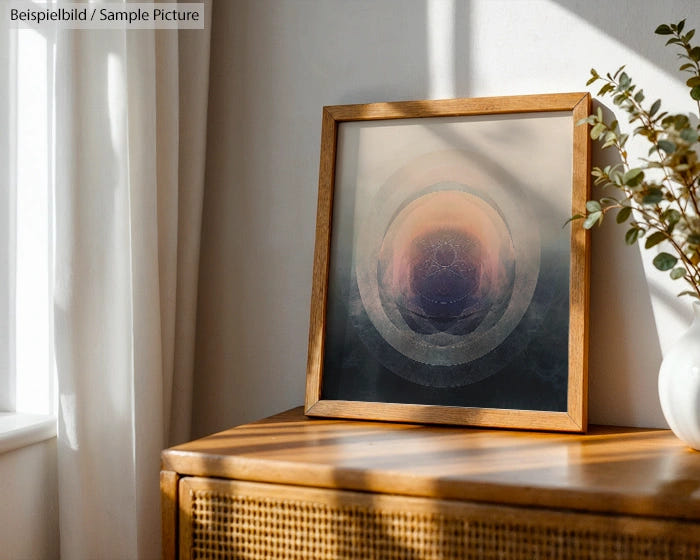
(142, 15)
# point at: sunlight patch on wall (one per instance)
(441, 48)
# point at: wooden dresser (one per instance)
(293, 487)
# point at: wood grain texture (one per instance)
(456, 107)
(435, 414)
(623, 471)
(575, 418)
(319, 290)
(579, 282)
(169, 513)
(184, 524)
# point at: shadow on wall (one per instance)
(262, 173)
(622, 21)
(624, 346)
(630, 309)
(274, 66)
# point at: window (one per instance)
(26, 152)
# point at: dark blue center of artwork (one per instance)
(444, 279)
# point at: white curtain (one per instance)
(130, 127)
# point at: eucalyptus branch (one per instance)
(692, 55)
(660, 199)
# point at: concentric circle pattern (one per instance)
(445, 271)
(446, 265)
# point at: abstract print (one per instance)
(445, 275)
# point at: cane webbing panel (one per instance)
(233, 520)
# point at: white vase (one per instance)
(679, 384)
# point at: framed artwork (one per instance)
(447, 285)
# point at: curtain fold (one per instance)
(130, 144)
(193, 49)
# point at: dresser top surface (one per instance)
(616, 470)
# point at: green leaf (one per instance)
(632, 235)
(597, 130)
(633, 177)
(687, 66)
(610, 139)
(667, 146)
(695, 54)
(654, 107)
(690, 135)
(663, 30)
(624, 214)
(678, 272)
(688, 293)
(679, 121)
(681, 24)
(592, 219)
(695, 93)
(664, 261)
(574, 217)
(639, 96)
(620, 69)
(605, 89)
(688, 36)
(593, 206)
(671, 216)
(694, 81)
(653, 196)
(594, 76)
(654, 239)
(693, 239)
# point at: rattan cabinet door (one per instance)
(243, 520)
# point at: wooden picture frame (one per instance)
(447, 287)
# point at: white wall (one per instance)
(29, 505)
(275, 63)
